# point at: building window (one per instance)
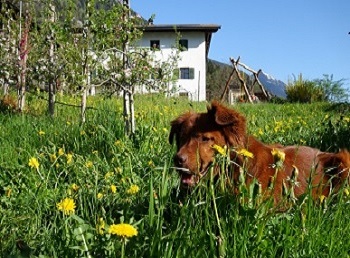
(183, 94)
(155, 44)
(183, 44)
(186, 73)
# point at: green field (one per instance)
(113, 179)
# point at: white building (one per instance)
(194, 41)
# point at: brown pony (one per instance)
(198, 136)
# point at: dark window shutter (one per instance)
(191, 73)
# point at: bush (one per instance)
(304, 91)
(8, 104)
(333, 90)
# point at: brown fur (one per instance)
(196, 133)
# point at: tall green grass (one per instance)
(84, 161)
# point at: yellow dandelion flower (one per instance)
(278, 158)
(82, 132)
(41, 133)
(245, 153)
(113, 188)
(99, 195)
(322, 198)
(89, 164)
(100, 227)
(33, 163)
(117, 142)
(60, 152)
(8, 192)
(133, 189)
(108, 175)
(75, 187)
(219, 149)
(53, 157)
(278, 155)
(165, 130)
(346, 191)
(67, 206)
(68, 123)
(155, 195)
(123, 230)
(69, 158)
(150, 163)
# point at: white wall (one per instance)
(194, 57)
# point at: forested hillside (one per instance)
(217, 76)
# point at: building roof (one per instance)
(208, 29)
(180, 27)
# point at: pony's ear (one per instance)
(224, 115)
(336, 164)
(174, 131)
(176, 127)
(232, 122)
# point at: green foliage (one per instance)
(8, 47)
(333, 91)
(217, 76)
(83, 162)
(304, 91)
(326, 89)
(215, 80)
(79, 46)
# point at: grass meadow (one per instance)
(64, 186)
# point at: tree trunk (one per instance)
(86, 70)
(86, 84)
(23, 56)
(51, 56)
(126, 111)
(83, 105)
(128, 98)
(7, 75)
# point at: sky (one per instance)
(283, 38)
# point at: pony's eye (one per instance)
(207, 139)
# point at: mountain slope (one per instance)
(272, 85)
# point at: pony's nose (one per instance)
(180, 159)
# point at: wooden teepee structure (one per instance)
(247, 92)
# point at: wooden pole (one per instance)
(227, 85)
(235, 64)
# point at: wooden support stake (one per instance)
(256, 76)
(234, 64)
(227, 85)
